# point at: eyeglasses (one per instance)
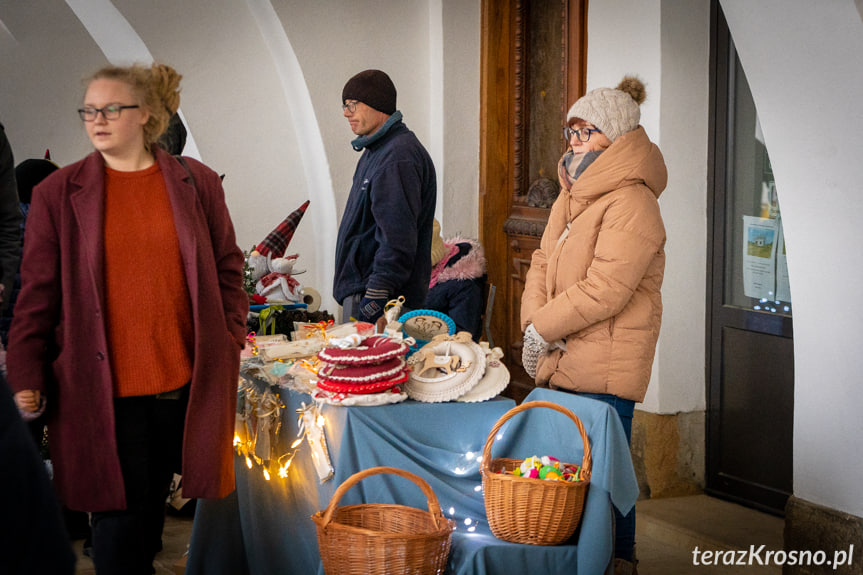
(350, 106)
(583, 135)
(110, 112)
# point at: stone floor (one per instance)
(175, 542)
(668, 532)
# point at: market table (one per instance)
(264, 527)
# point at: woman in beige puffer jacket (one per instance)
(595, 280)
(591, 307)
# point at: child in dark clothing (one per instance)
(457, 285)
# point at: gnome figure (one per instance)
(271, 268)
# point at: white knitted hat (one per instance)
(614, 111)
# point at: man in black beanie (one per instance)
(383, 249)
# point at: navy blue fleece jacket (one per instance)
(384, 240)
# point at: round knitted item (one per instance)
(423, 324)
(392, 395)
(372, 350)
(494, 380)
(376, 387)
(361, 374)
(445, 369)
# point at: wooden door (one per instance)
(533, 69)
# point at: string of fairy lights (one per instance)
(257, 442)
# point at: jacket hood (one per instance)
(471, 264)
(631, 159)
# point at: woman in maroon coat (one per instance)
(130, 320)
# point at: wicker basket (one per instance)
(382, 538)
(524, 510)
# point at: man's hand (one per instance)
(372, 305)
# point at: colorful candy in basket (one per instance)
(548, 468)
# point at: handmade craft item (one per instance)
(445, 368)
(358, 366)
(372, 350)
(494, 380)
(271, 270)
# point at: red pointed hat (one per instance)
(277, 240)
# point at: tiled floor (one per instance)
(668, 531)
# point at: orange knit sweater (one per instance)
(147, 299)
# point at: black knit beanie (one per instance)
(29, 173)
(374, 89)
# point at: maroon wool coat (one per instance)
(58, 342)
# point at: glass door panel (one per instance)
(756, 273)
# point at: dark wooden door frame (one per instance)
(503, 125)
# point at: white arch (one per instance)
(311, 144)
(121, 44)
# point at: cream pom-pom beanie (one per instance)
(615, 111)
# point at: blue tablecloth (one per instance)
(265, 526)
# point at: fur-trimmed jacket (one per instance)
(457, 285)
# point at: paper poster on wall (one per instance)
(759, 257)
(783, 285)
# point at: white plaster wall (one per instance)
(624, 38)
(803, 71)
(459, 191)
(684, 112)
(665, 43)
(241, 115)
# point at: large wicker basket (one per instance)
(377, 538)
(535, 511)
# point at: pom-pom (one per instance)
(634, 87)
(549, 472)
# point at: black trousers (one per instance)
(149, 433)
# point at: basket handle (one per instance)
(586, 462)
(434, 506)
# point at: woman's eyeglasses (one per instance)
(110, 112)
(583, 135)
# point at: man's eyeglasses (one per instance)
(583, 135)
(110, 112)
(350, 106)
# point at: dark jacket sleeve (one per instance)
(396, 204)
(10, 220)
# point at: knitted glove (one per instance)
(372, 305)
(534, 347)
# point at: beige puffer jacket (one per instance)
(599, 287)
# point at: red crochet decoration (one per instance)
(372, 350)
(377, 387)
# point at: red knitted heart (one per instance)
(372, 350)
(361, 374)
(376, 387)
